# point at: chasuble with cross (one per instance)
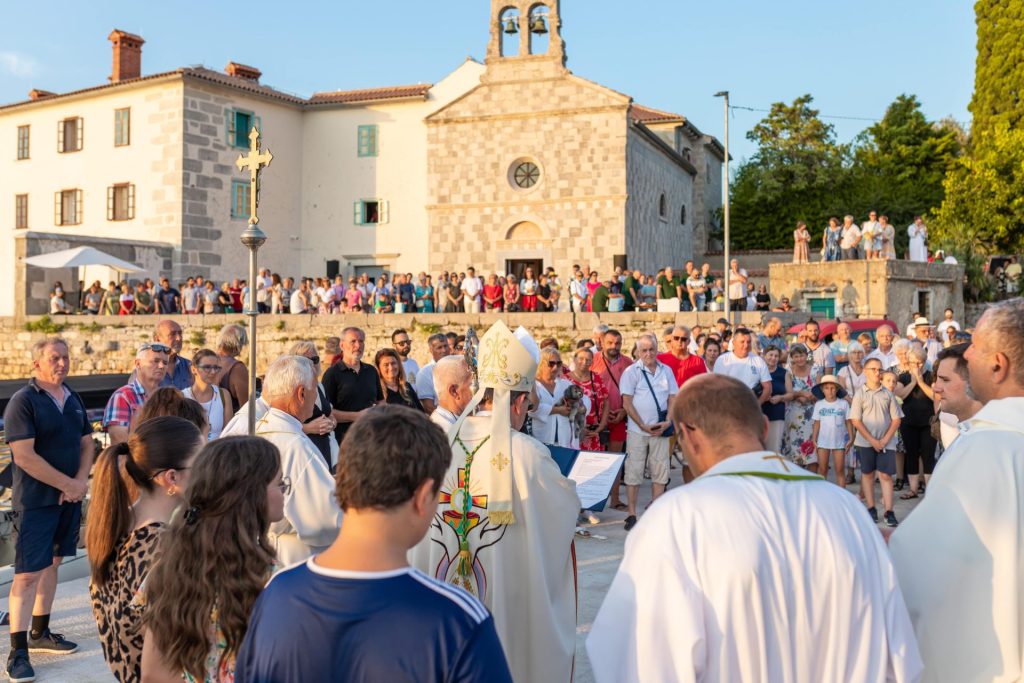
(523, 572)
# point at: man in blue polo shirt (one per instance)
(51, 442)
(358, 611)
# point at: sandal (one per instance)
(620, 506)
(898, 485)
(909, 495)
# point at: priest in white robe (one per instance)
(959, 555)
(312, 517)
(505, 525)
(755, 571)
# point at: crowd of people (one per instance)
(874, 239)
(422, 530)
(585, 290)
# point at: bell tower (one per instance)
(525, 40)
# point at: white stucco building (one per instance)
(403, 178)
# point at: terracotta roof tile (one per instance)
(647, 115)
(371, 94)
(240, 83)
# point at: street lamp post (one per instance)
(725, 94)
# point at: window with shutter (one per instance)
(239, 123)
(240, 199)
(69, 135)
(23, 142)
(370, 212)
(122, 127)
(121, 202)
(368, 138)
(21, 211)
(68, 207)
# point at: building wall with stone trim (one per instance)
(573, 130)
(654, 241)
(209, 235)
(151, 162)
(708, 199)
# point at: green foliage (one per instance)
(985, 192)
(197, 339)
(899, 165)
(961, 240)
(279, 326)
(426, 328)
(44, 325)
(798, 173)
(999, 70)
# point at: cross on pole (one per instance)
(255, 161)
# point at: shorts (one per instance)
(871, 460)
(44, 534)
(644, 449)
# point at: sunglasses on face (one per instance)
(155, 346)
(554, 363)
(209, 368)
(681, 339)
(404, 342)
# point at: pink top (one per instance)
(354, 297)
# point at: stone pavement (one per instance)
(597, 557)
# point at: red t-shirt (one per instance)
(492, 292)
(684, 368)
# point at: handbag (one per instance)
(662, 414)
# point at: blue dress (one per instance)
(832, 237)
(425, 305)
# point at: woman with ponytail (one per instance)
(213, 563)
(136, 487)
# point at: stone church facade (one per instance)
(602, 187)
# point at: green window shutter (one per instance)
(374, 141)
(357, 213)
(383, 211)
(229, 127)
(367, 140)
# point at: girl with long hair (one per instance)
(213, 562)
(136, 487)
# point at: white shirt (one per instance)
(831, 417)
(425, 382)
(850, 236)
(646, 405)
(578, 288)
(888, 358)
(736, 578)
(751, 370)
(551, 429)
(214, 409)
(941, 327)
(443, 418)
(295, 305)
(472, 286)
(412, 369)
(737, 287)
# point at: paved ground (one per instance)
(598, 558)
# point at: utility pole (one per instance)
(725, 94)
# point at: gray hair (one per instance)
(919, 354)
(1003, 323)
(301, 348)
(449, 371)
(231, 340)
(439, 337)
(854, 346)
(649, 337)
(40, 346)
(285, 374)
(601, 329)
(848, 217)
(901, 344)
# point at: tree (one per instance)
(899, 164)
(797, 173)
(985, 191)
(999, 70)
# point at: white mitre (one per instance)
(506, 362)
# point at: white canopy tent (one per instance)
(79, 257)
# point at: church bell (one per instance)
(511, 25)
(538, 25)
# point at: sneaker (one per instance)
(890, 519)
(630, 522)
(874, 515)
(52, 643)
(19, 670)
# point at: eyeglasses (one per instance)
(209, 368)
(154, 346)
(285, 485)
(554, 363)
(404, 342)
(460, 347)
(681, 339)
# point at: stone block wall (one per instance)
(106, 345)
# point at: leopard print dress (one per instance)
(118, 605)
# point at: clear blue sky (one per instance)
(853, 56)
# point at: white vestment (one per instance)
(238, 425)
(740, 577)
(959, 555)
(312, 517)
(523, 572)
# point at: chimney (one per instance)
(37, 94)
(249, 73)
(127, 49)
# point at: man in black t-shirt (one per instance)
(168, 299)
(52, 448)
(352, 386)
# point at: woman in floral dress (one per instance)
(801, 242)
(797, 445)
(593, 387)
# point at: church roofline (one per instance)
(664, 147)
(365, 95)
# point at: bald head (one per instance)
(995, 359)
(716, 417)
(452, 383)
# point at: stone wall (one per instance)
(102, 344)
(873, 289)
(653, 240)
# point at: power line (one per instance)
(820, 116)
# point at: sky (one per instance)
(853, 56)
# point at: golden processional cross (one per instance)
(253, 238)
(255, 161)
